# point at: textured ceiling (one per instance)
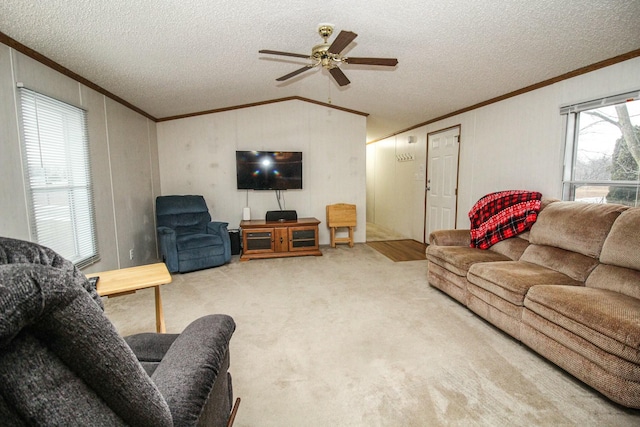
(172, 57)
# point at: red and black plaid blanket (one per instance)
(498, 216)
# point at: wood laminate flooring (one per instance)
(400, 250)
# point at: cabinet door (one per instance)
(303, 238)
(281, 240)
(258, 240)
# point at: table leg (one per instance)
(160, 326)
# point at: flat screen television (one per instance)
(269, 170)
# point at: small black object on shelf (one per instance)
(281, 216)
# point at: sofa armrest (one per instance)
(168, 248)
(220, 228)
(189, 369)
(450, 238)
(217, 227)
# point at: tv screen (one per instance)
(269, 170)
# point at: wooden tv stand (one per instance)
(275, 239)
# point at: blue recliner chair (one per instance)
(187, 238)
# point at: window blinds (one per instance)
(58, 173)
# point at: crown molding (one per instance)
(14, 44)
(5, 39)
(257, 104)
(548, 82)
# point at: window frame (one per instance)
(571, 114)
(58, 180)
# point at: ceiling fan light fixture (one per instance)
(325, 31)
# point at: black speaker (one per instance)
(281, 216)
(234, 237)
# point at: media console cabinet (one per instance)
(275, 239)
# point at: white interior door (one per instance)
(441, 192)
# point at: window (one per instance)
(58, 175)
(603, 150)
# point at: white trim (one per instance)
(20, 137)
(600, 102)
(113, 197)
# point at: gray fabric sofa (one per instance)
(569, 289)
(62, 362)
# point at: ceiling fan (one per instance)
(328, 56)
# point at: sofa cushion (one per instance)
(607, 319)
(511, 280)
(150, 348)
(573, 264)
(575, 226)
(513, 247)
(620, 257)
(622, 245)
(458, 259)
(617, 279)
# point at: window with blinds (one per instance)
(58, 176)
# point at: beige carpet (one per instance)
(353, 339)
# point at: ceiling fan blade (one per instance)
(294, 73)
(339, 76)
(275, 52)
(389, 62)
(342, 41)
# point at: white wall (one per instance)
(197, 156)
(123, 160)
(517, 143)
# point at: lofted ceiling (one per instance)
(175, 57)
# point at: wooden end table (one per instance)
(125, 281)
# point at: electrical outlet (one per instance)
(130, 253)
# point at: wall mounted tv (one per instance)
(269, 170)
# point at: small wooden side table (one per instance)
(338, 216)
(125, 281)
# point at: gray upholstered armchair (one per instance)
(187, 237)
(63, 363)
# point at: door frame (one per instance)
(426, 177)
